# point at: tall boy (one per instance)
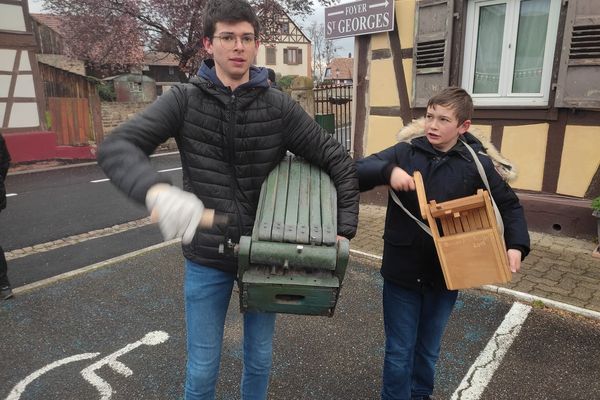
(416, 302)
(232, 129)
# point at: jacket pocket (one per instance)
(404, 237)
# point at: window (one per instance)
(509, 50)
(284, 28)
(271, 56)
(171, 71)
(134, 87)
(292, 56)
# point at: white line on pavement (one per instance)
(362, 253)
(93, 267)
(170, 169)
(18, 390)
(162, 170)
(526, 297)
(481, 372)
(11, 194)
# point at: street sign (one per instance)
(359, 18)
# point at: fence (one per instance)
(333, 111)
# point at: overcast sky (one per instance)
(35, 6)
(346, 44)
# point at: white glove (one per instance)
(178, 212)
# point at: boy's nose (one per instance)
(238, 44)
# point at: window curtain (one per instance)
(531, 43)
(490, 35)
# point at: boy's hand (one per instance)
(401, 181)
(514, 260)
(179, 212)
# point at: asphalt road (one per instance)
(63, 340)
(58, 340)
(56, 204)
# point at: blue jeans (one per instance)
(414, 324)
(207, 293)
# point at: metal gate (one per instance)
(333, 111)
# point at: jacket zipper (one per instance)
(231, 148)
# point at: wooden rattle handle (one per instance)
(422, 198)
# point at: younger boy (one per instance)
(416, 302)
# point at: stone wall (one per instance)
(114, 113)
(301, 91)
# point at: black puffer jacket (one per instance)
(4, 164)
(409, 256)
(229, 142)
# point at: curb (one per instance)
(75, 165)
(89, 268)
(524, 297)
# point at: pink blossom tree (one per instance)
(117, 32)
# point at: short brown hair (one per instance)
(230, 11)
(455, 98)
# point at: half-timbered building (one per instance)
(533, 69)
(289, 53)
(21, 99)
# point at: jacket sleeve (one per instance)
(124, 154)
(376, 169)
(4, 160)
(4, 164)
(306, 138)
(516, 234)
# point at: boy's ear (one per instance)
(464, 127)
(207, 43)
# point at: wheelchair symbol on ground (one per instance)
(89, 373)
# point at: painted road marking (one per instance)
(162, 170)
(481, 372)
(170, 169)
(11, 194)
(89, 373)
(18, 390)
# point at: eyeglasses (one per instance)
(228, 41)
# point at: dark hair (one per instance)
(228, 11)
(271, 74)
(455, 98)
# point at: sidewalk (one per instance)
(557, 268)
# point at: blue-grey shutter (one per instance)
(431, 55)
(578, 84)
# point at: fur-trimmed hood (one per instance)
(504, 167)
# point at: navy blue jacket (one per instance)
(409, 256)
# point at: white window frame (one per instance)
(505, 97)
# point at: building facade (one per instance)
(290, 53)
(20, 94)
(533, 69)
